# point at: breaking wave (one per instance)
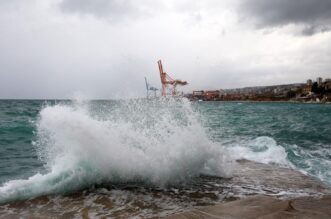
(157, 142)
(83, 144)
(262, 149)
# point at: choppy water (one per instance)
(141, 156)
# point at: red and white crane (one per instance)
(166, 81)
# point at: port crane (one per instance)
(150, 88)
(167, 80)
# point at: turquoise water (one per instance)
(58, 143)
(18, 157)
(303, 130)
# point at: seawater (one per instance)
(50, 147)
(295, 135)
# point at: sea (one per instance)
(144, 158)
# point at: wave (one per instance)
(157, 142)
(262, 149)
(315, 162)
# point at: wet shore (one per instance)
(254, 190)
(265, 207)
(287, 194)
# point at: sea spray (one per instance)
(159, 142)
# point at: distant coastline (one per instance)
(318, 91)
(265, 101)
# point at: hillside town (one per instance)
(318, 91)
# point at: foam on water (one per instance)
(313, 162)
(155, 142)
(266, 150)
(262, 149)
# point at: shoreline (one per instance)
(270, 206)
(261, 101)
(264, 207)
(254, 190)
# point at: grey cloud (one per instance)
(313, 29)
(308, 31)
(313, 15)
(46, 54)
(113, 9)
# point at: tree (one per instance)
(314, 88)
(291, 94)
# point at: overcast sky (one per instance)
(105, 48)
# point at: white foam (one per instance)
(314, 162)
(262, 149)
(156, 142)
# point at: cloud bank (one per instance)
(313, 15)
(105, 48)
